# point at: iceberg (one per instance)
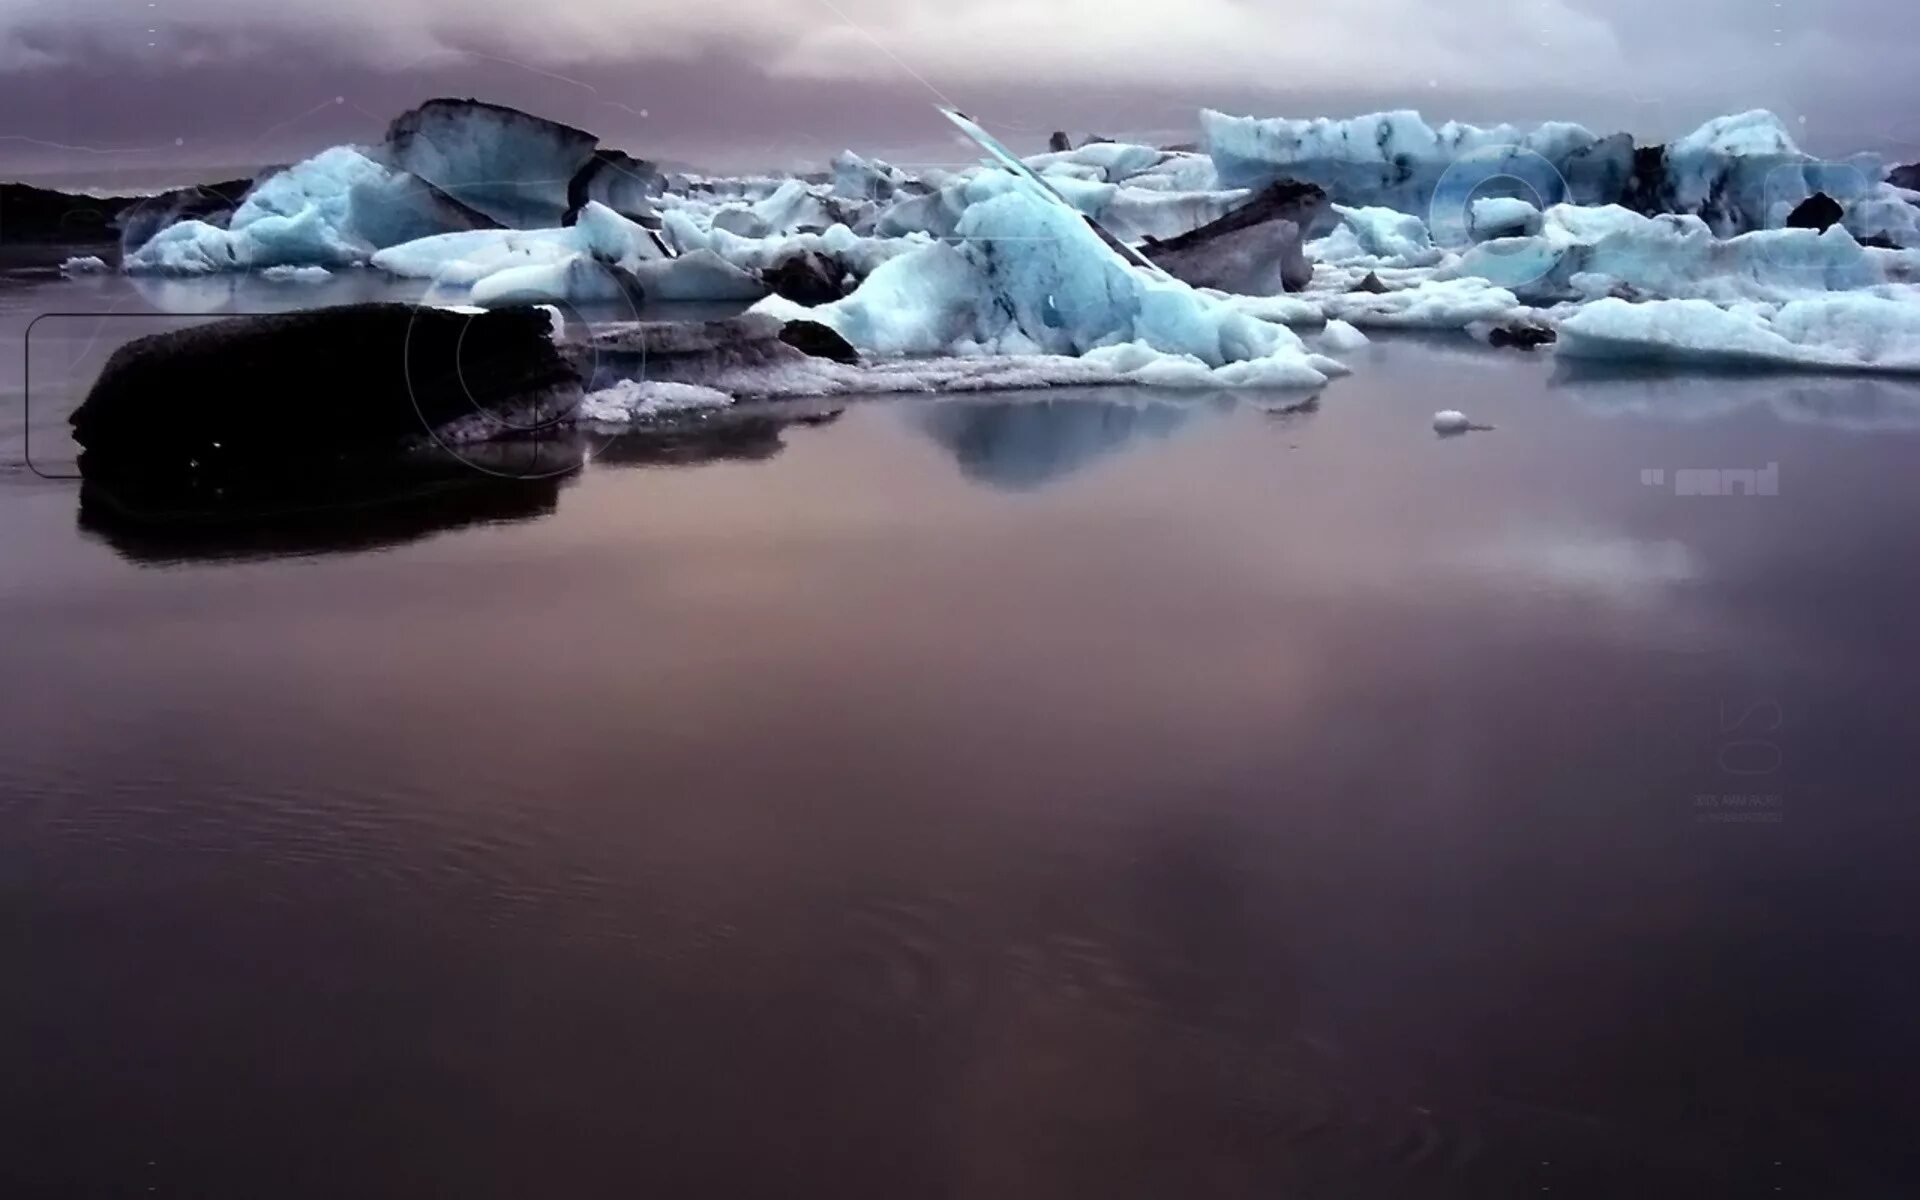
(1593, 252)
(621, 182)
(604, 256)
(332, 210)
(1376, 237)
(1492, 217)
(1028, 276)
(1738, 173)
(514, 167)
(632, 400)
(1396, 160)
(1846, 332)
(1254, 250)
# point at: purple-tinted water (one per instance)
(1097, 794)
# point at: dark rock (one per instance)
(815, 340)
(1522, 335)
(806, 277)
(1818, 211)
(1878, 241)
(1371, 283)
(515, 167)
(1096, 140)
(1907, 177)
(1059, 143)
(33, 216)
(1255, 250)
(623, 183)
(247, 401)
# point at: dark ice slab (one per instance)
(1255, 250)
(246, 402)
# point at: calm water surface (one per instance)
(1099, 794)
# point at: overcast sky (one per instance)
(118, 85)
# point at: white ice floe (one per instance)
(84, 265)
(297, 274)
(1429, 304)
(1339, 337)
(1843, 332)
(807, 378)
(631, 400)
(1492, 217)
(1027, 276)
(1449, 420)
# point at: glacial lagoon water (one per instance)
(1090, 793)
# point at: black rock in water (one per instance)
(247, 400)
(806, 277)
(1907, 177)
(1371, 283)
(1255, 250)
(1059, 143)
(818, 341)
(1521, 335)
(1818, 211)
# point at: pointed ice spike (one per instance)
(1011, 162)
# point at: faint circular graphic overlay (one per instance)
(1495, 170)
(536, 439)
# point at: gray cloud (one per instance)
(776, 80)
